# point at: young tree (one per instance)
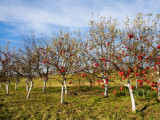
(83, 63)
(28, 67)
(16, 65)
(27, 60)
(100, 48)
(134, 41)
(6, 72)
(64, 52)
(44, 68)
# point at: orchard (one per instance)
(111, 62)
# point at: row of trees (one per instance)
(131, 50)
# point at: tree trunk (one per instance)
(105, 86)
(158, 79)
(136, 84)
(30, 89)
(16, 85)
(90, 80)
(106, 90)
(65, 85)
(17, 82)
(44, 86)
(7, 87)
(132, 98)
(27, 87)
(62, 93)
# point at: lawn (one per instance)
(81, 103)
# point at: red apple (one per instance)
(106, 82)
(140, 37)
(121, 88)
(82, 75)
(143, 72)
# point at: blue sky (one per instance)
(17, 17)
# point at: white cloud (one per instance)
(19, 12)
(43, 15)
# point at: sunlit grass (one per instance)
(81, 102)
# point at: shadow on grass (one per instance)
(149, 104)
(1, 105)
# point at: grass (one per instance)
(81, 103)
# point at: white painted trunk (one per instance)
(62, 94)
(65, 85)
(158, 81)
(132, 98)
(106, 90)
(27, 86)
(158, 88)
(16, 85)
(136, 84)
(28, 95)
(105, 86)
(44, 86)
(7, 87)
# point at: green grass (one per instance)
(81, 103)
